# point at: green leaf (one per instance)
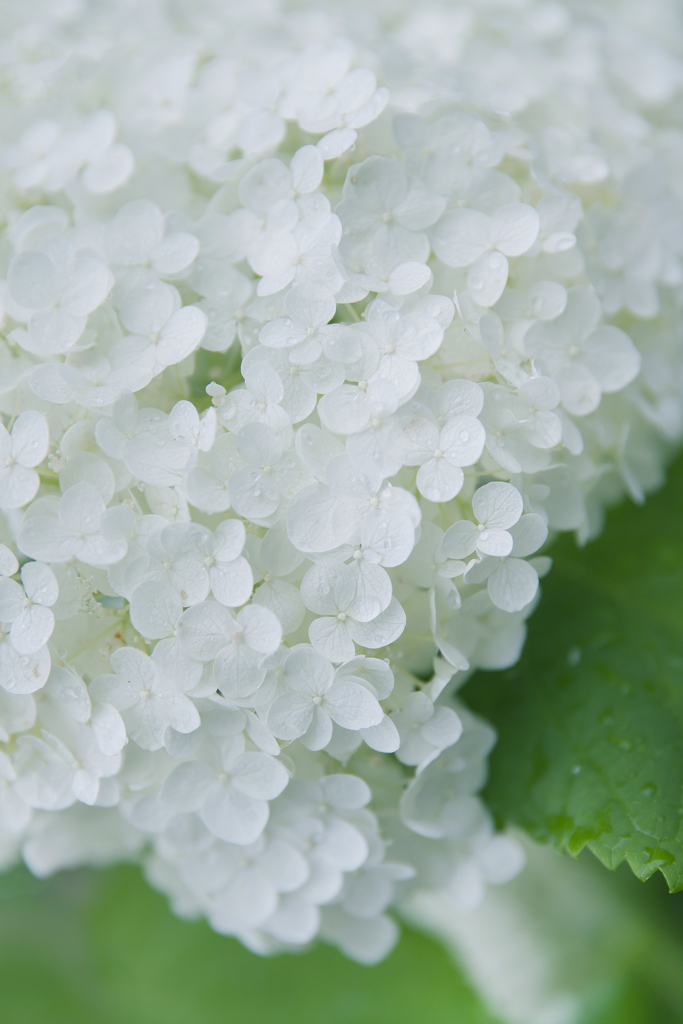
(220, 367)
(590, 721)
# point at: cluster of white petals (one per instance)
(317, 320)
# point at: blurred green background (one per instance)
(100, 947)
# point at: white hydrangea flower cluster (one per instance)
(316, 320)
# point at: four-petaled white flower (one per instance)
(149, 703)
(20, 451)
(439, 454)
(345, 618)
(136, 237)
(316, 699)
(55, 289)
(27, 607)
(306, 333)
(237, 645)
(497, 506)
(302, 255)
(161, 333)
(583, 357)
(80, 526)
(269, 474)
(513, 582)
(230, 576)
(425, 729)
(470, 238)
(386, 217)
(272, 187)
(229, 791)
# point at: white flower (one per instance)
(503, 343)
(350, 408)
(387, 213)
(583, 358)
(190, 432)
(207, 484)
(269, 474)
(79, 751)
(480, 635)
(237, 646)
(521, 428)
(161, 333)
(430, 567)
(321, 517)
(48, 157)
(240, 134)
(545, 300)
(440, 800)
(27, 607)
(22, 449)
(470, 238)
(376, 676)
(256, 876)
(497, 506)
(57, 289)
(155, 611)
(79, 525)
(385, 538)
(126, 423)
(442, 153)
(230, 576)
(53, 775)
(301, 383)
(230, 792)
(306, 332)
(226, 302)
(369, 448)
(277, 557)
(317, 699)
(212, 241)
(136, 237)
(331, 592)
(172, 557)
(402, 340)
(630, 252)
(330, 98)
(8, 561)
(368, 892)
(319, 811)
(259, 402)
(302, 255)
(14, 811)
(560, 213)
(425, 729)
(160, 450)
(571, 156)
(90, 379)
(439, 454)
(512, 582)
(272, 187)
(149, 704)
(21, 673)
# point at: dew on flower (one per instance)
(424, 292)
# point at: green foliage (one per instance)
(91, 947)
(103, 948)
(590, 721)
(220, 367)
